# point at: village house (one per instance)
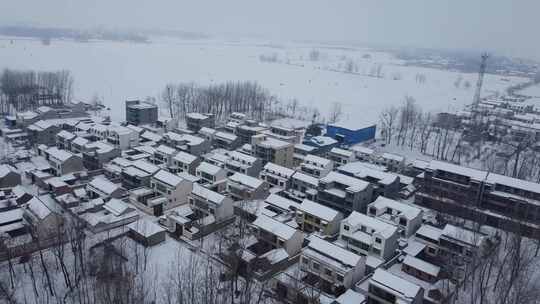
(273, 150)
(141, 112)
(246, 131)
(244, 187)
(195, 121)
(44, 219)
(369, 236)
(163, 156)
(172, 187)
(242, 163)
(63, 140)
(226, 140)
(344, 193)
(299, 153)
(9, 177)
(383, 183)
(212, 176)
(61, 161)
(138, 174)
(313, 217)
(334, 267)
(187, 142)
(205, 202)
(42, 132)
(276, 176)
(96, 154)
(363, 154)
(340, 156)
(392, 161)
(386, 288)
(406, 217)
(185, 162)
(103, 188)
(316, 166)
(273, 234)
(304, 186)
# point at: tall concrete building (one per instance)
(141, 113)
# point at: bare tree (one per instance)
(336, 112)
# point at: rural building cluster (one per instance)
(328, 219)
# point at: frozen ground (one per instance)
(117, 71)
(533, 91)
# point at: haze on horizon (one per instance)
(508, 27)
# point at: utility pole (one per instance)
(479, 82)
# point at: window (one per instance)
(346, 228)
(339, 278)
(305, 261)
(378, 240)
(316, 266)
(328, 272)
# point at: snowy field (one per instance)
(533, 91)
(116, 71)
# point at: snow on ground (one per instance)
(533, 91)
(117, 71)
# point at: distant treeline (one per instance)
(221, 99)
(465, 61)
(47, 33)
(27, 90)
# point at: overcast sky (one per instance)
(507, 26)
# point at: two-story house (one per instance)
(276, 175)
(337, 268)
(406, 217)
(313, 217)
(245, 187)
(172, 187)
(344, 193)
(369, 236)
(316, 166)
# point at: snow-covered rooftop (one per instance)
(194, 115)
(360, 170)
(246, 180)
(145, 227)
(429, 231)
(383, 203)
(281, 202)
(168, 178)
(395, 284)
(208, 194)
(165, 150)
(422, 265)
(354, 184)
(456, 169)
(38, 208)
(277, 169)
(333, 251)
(317, 160)
(273, 143)
(326, 213)
(6, 169)
(306, 178)
(104, 185)
(226, 136)
(61, 155)
(277, 228)
(145, 166)
(185, 158)
(208, 168)
(357, 219)
(342, 152)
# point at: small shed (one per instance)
(146, 232)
